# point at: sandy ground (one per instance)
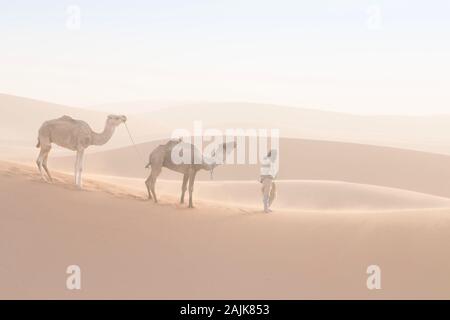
(352, 192)
(128, 247)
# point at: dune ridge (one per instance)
(293, 195)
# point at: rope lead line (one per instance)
(134, 144)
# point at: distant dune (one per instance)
(131, 248)
(300, 160)
(22, 118)
(136, 107)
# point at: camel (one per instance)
(74, 135)
(162, 157)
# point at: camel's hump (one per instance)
(67, 118)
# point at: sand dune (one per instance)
(22, 118)
(246, 195)
(130, 248)
(301, 160)
(424, 133)
(341, 207)
(136, 107)
(294, 195)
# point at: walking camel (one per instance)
(162, 157)
(75, 135)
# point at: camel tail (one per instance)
(273, 193)
(148, 165)
(38, 143)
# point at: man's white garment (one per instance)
(268, 167)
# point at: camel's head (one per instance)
(116, 120)
(272, 155)
(174, 142)
(221, 152)
(229, 146)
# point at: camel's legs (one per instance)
(192, 174)
(79, 167)
(77, 159)
(149, 190)
(44, 164)
(39, 162)
(153, 176)
(42, 160)
(184, 186)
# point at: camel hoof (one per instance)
(46, 180)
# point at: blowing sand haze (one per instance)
(321, 170)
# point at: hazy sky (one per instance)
(353, 56)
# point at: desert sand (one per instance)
(128, 247)
(353, 191)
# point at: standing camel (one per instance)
(162, 157)
(75, 135)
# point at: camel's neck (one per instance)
(99, 139)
